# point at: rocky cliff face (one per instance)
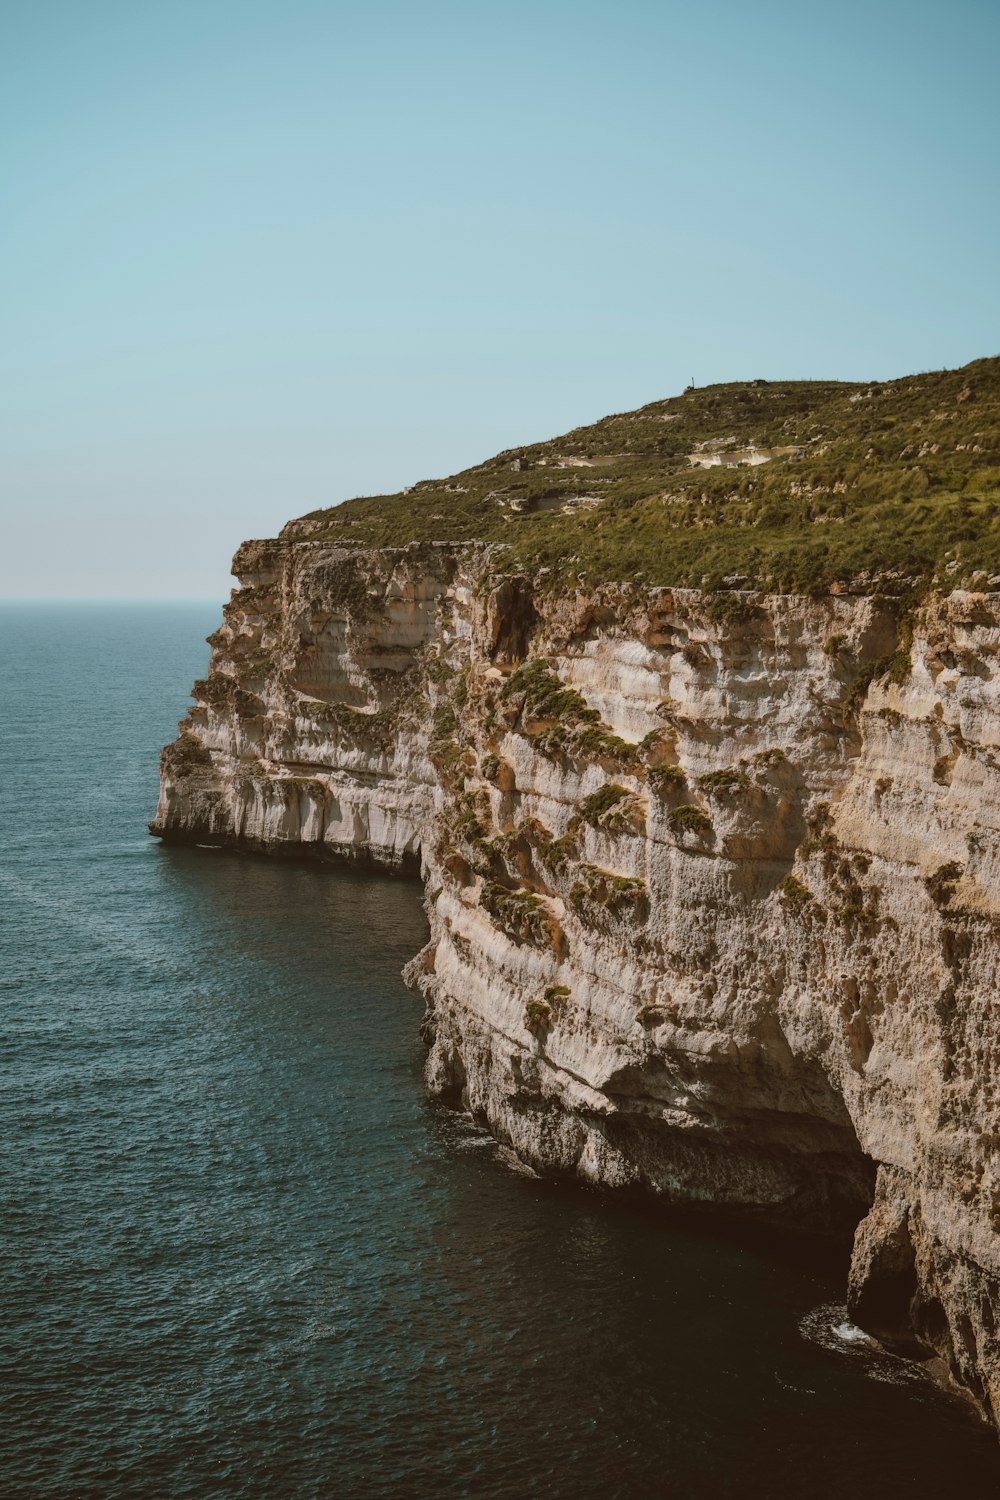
(712, 880)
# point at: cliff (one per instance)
(712, 877)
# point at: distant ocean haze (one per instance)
(242, 1254)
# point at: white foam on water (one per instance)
(830, 1328)
(852, 1334)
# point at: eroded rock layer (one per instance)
(712, 880)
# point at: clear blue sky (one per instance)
(262, 255)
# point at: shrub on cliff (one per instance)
(603, 744)
(596, 893)
(688, 818)
(184, 757)
(556, 995)
(447, 754)
(729, 779)
(552, 742)
(469, 819)
(533, 693)
(555, 854)
(537, 1016)
(535, 690)
(224, 694)
(612, 808)
(731, 609)
(794, 896)
(520, 914)
(896, 666)
(489, 767)
(664, 779)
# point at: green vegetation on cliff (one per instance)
(891, 481)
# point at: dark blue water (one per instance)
(241, 1254)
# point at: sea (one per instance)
(243, 1255)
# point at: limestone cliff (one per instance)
(712, 880)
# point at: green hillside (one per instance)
(895, 484)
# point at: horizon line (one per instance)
(109, 599)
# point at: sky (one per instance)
(258, 256)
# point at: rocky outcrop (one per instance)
(712, 880)
(309, 732)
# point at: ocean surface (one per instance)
(243, 1256)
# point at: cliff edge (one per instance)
(712, 873)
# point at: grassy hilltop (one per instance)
(895, 484)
